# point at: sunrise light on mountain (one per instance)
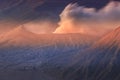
(59, 40)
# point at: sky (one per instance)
(60, 16)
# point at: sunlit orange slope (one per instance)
(22, 37)
(111, 39)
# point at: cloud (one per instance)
(41, 26)
(79, 19)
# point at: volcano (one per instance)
(68, 61)
(22, 37)
(24, 51)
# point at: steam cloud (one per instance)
(79, 19)
(41, 27)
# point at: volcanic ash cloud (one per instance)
(79, 19)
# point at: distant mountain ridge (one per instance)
(21, 37)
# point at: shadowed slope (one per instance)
(100, 62)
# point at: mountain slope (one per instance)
(23, 51)
(111, 39)
(21, 37)
(100, 62)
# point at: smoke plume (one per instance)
(79, 19)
